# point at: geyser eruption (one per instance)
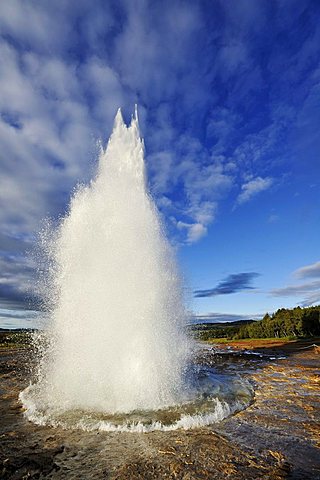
(118, 315)
(114, 353)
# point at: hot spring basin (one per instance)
(209, 398)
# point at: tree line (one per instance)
(296, 322)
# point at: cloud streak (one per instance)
(234, 283)
(293, 290)
(309, 291)
(224, 317)
(252, 188)
(309, 271)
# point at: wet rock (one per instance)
(275, 438)
(30, 465)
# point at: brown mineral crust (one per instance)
(276, 437)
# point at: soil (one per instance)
(276, 437)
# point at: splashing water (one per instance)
(115, 342)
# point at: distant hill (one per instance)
(209, 325)
(206, 331)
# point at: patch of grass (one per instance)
(217, 340)
(14, 339)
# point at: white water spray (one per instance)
(118, 316)
(114, 354)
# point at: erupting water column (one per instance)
(116, 327)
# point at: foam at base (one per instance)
(186, 422)
(215, 397)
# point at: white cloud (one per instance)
(13, 318)
(54, 107)
(15, 274)
(25, 22)
(293, 290)
(307, 292)
(195, 231)
(47, 131)
(221, 126)
(311, 299)
(161, 165)
(309, 271)
(252, 188)
(43, 27)
(63, 105)
(224, 317)
(61, 85)
(201, 178)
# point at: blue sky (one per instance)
(228, 95)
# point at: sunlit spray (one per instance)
(118, 315)
(115, 342)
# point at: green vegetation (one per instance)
(294, 323)
(14, 338)
(208, 331)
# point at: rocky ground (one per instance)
(277, 437)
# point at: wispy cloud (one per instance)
(309, 271)
(224, 317)
(307, 292)
(16, 318)
(252, 188)
(293, 290)
(234, 283)
(16, 272)
(195, 231)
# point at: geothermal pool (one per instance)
(212, 397)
